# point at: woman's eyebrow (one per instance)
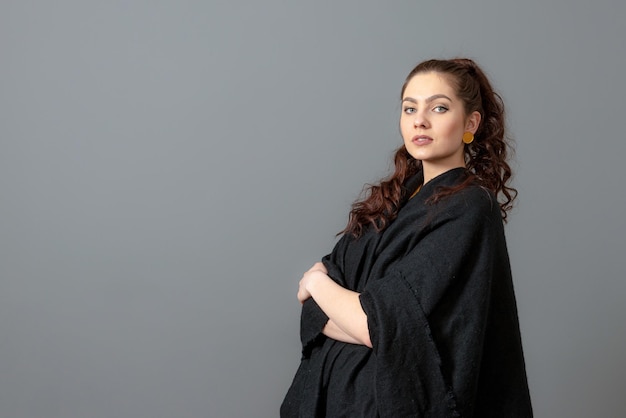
(428, 100)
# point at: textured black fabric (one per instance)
(436, 287)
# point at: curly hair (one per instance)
(485, 157)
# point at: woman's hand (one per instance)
(317, 272)
(347, 320)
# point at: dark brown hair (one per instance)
(486, 156)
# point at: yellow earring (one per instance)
(468, 137)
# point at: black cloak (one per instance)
(437, 291)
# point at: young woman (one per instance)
(413, 313)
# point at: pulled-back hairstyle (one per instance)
(485, 157)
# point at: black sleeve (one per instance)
(427, 316)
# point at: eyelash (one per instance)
(411, 110)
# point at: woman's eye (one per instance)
(409, 110)
(440, 109)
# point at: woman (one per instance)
(413, 313)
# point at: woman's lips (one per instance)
(421, 140)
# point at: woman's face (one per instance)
(432, 123)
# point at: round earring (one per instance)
(468, 137)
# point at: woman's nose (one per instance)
(419, 122)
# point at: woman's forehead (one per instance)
(424, 85)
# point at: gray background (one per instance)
(168, 169)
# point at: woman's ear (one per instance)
(473, 122)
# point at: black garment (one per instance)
(436, 287)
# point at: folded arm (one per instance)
(347, 320)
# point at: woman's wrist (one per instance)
(315, 281)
